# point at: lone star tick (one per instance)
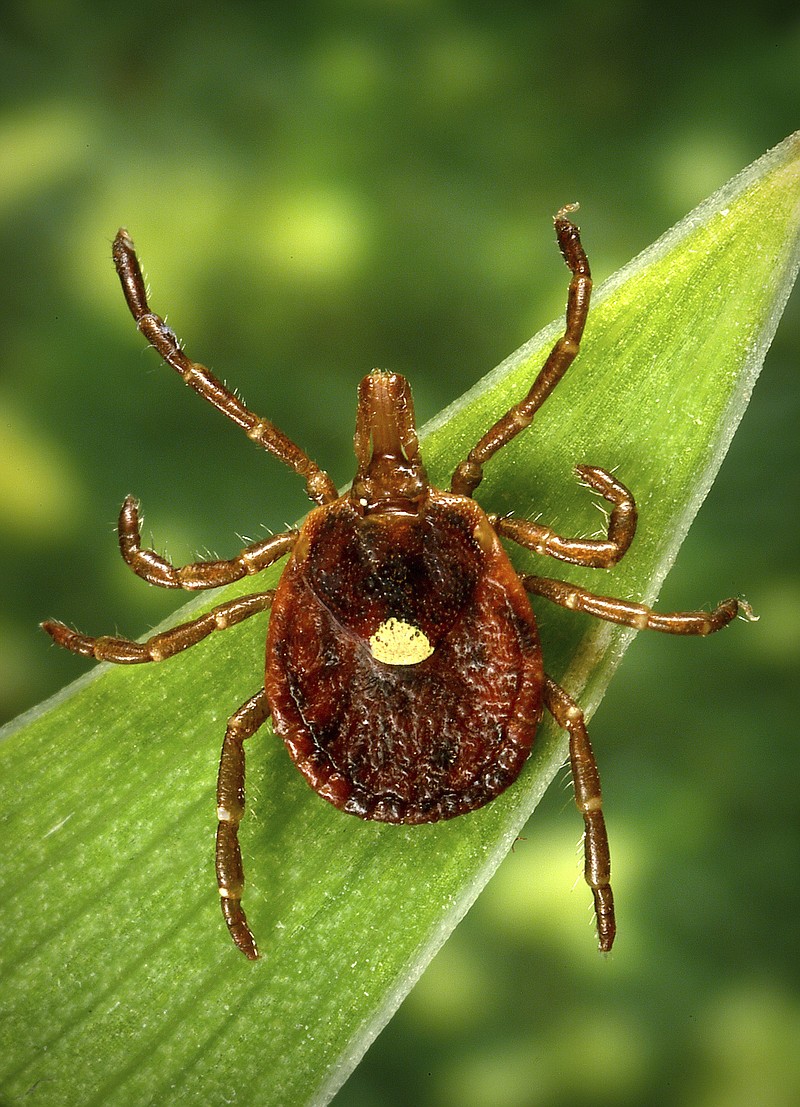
(403, 669)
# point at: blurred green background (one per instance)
(318, 188)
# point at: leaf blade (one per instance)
(114, 954)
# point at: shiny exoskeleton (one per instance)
(404, 671)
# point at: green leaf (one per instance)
(120, 983)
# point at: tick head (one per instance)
(390, 478)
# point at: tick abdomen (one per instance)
(403, 668)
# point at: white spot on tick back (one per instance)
(396, 642)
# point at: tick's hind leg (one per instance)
(230, 808)
(589, 801)
(122, 651)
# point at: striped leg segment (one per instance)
(155, 569)
(469, 473)
(230, 808)
(637, 615)
(122, 651)
(319, 485)
(596, 553)
(589, 801)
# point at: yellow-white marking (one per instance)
(399, 643)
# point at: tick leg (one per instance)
(589, 801)
(581, 551)
(319, 485)
(230, 808)
(122, 651)
(201, 574)
(637, 615)
(469, 473)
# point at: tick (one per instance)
(403, 666)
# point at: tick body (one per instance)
(403, 666)
(404, 671)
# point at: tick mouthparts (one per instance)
(390, 478)
(385, 419)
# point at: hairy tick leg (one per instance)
(230, 808)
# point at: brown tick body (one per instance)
(404, 671)
(404, 740)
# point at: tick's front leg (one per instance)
(230, 808)
(469, 473)
(319, 485)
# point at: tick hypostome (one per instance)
(403, 671)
